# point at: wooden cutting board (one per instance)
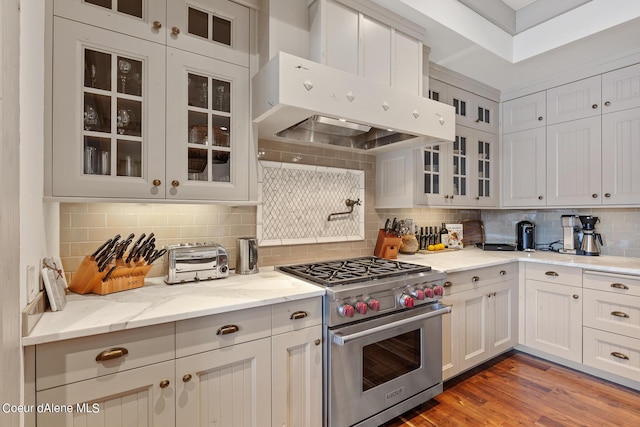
(472, 231)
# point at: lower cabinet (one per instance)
(226, 387)
(483, 320)
(230, 369)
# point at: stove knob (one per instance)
(406, 301)
(438, 290)
(346, 310)
(428, 292)
(374, 304)
(418, 294)
(361, 307)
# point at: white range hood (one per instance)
(301, 101)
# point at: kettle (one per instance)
(247, 255)
(526, 236)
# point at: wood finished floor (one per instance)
(518, 389)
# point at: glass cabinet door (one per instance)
(486, 164)
(208, 140)
(145, 19)
(107, 91)
(215, 28)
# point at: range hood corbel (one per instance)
(301, 101)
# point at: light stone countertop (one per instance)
(157, 303)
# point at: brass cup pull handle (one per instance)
(186, 378)
(474, 279)
(620, 314)
(157, 25)
(620, 286)
(298, 315)
(156, 183)
(175, 31)
(619, 355)
(164, 383)
(447, 284)
(551, 273)
(112, 353)
(227, 329)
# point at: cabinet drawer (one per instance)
(571, 276)
(222, 330)
(613, 353)
(465, 280)
(295, 315)
(619, 283)
(619, 314)
(68, 361)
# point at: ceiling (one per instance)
(520, 46)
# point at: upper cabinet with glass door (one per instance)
(215, 28)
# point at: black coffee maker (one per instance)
(525, 236)
(590, 239)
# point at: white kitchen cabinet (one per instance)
(472, 110)
(527, 112)
(553, 305)
(483, 319)
(574, 101)
(574, 163)
(396, 178)
(157, 122)
(620, 154)
(621, 89)
(524, 159)
(462, 173)
(612, 323)
(226, 387)
(296, 346)
(364, 40)
(215, 28)
(118, 379)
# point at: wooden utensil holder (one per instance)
(387, 245)
(125, 276)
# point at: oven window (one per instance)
(385, 360)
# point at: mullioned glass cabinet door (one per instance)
(208, 139)
(108, 107)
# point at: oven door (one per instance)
(379, 363)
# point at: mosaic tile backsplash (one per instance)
(298, 200)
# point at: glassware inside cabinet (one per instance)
(97, 156)
(129, 158)
(129, 76)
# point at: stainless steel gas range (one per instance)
(382, 337)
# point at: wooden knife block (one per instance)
(126, 276)
(387, 245)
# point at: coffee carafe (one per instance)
(590, 238)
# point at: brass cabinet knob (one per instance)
(576, 296)
(477, 197)
(318, 341)
(157, 25)
(156, 182)
(447, 284)
(475, 279)
(503, 272)
(112, 353)
(452, 197)
(594, 106)
(164, 383)
(175, 31)
(540, 197)
(540, 119)
(607, 103)
(186, 378)
(594, 195)
(175, 183)
(607, 195)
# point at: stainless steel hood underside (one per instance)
(297, 100)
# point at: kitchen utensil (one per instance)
(473, 231)
(526, 236)
(247, 255)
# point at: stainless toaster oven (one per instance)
(196, 262)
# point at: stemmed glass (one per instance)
(125, 120)
(124, 66)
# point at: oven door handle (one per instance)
(341, 340)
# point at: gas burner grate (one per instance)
(354, 270)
